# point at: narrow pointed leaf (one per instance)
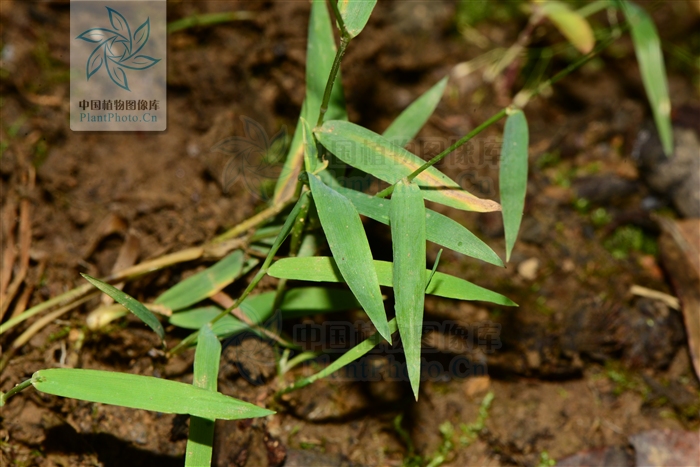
(571, 24)
(411, 120)
(143, 392)
(206, 372)
(371, 153)
(348, 242)
(297, 302)
(130, 303)
(355, 14)
(304, 301)
(440, 229)
(647, 47)
(203, 284)
(320, 53)
(311, 162)
(408, 239)
(324, 269)
(513, 175)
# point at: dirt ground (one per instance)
(582, 364)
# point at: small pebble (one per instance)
(528, 268)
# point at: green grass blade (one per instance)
(130, 303)
(348, 357)
(297, 302)
(355, 14)
(206, 371)
(348, 242)
(203, 284)
(647, 47)
(287, 180)
(440, 229)
(411, 120)
(513, 175)
(311, 162)
(570, 23)
(408, 239)
(324, 269)
(434, 270)
(304, 301)
(143, 392)
(371, 153)
(320, 51)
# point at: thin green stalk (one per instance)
(344, 41)
(258, 277)
(524, 96)
(339, 19)
(61, 299)
(15, 390)
(294, 245)
(593, 8)
(251, 222)
(502, 113)
(208, 19)
(350, 356)
(519, 101)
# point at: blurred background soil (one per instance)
(585, 367)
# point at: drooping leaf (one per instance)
(206, 371)
(324, 269)
(570, 23)
(440, 229)
(141, 36)
(647, 47)
(348, 242)
(355, 14)
(371, 153)
(407, 216)
(143, 392)
(513, 175)
(411, 120)
(320, 53)
(204, 284)
(130, 303)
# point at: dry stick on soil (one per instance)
(29, 287)
(219, 246)
(9, 222)
(25, 241)
(38, 326)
